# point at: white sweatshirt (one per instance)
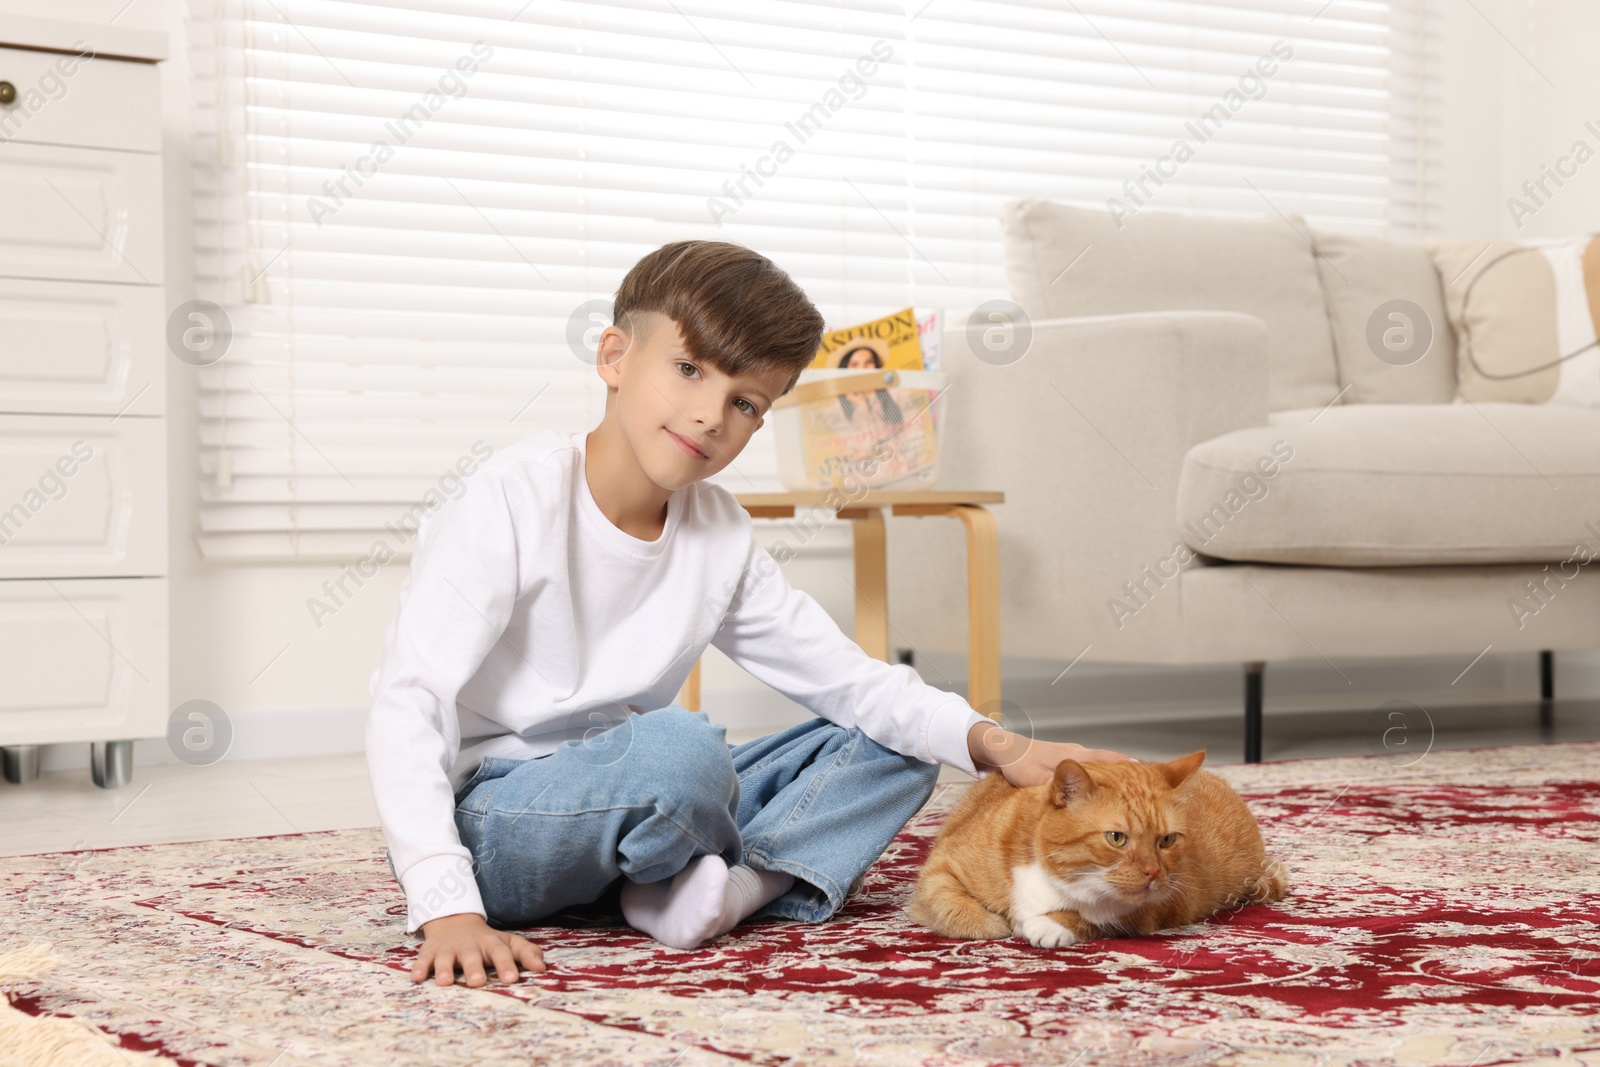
(528, 618)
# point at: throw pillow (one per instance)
(1526, 316)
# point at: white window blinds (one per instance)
(407, 210)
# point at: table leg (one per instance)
(872, 584)
(983, 608)
(689, 695)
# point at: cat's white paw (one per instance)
(1042, 931)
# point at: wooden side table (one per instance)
(872, 575)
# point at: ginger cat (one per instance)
(1104, 848)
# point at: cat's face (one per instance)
(1117, 833)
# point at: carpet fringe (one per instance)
(54, 1041)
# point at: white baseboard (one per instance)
(263, 735)
(1036, 690)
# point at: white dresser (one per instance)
(83, 362)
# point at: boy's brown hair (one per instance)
(737, 309)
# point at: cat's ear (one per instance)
(1071, 783)
(1178, 770)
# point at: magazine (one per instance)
(930, 333)
(892, 342)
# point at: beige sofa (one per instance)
(1211, 454)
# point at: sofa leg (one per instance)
(1252, 711)
(1547, 689)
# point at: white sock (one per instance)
(750, 889)
(704, 900)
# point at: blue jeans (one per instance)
(648, 795)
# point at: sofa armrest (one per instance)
(1086, 435)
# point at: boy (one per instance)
(524, 751)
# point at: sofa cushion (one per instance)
(1527, 318)
(1374, 485)
(1159, 261)
(1391, 338)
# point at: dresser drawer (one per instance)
(83, 660)
(82, 496)
(85, 101)
(80, 214)
(81, 348)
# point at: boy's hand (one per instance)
(468, 940)
(1027, 761)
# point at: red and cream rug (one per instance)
(1441, 913)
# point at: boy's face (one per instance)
(684, 418)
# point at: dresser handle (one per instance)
(8, 94)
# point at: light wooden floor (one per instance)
(64, 810)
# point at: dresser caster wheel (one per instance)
(111, 763)
(21, 762)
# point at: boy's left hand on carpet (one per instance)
(469, 941)
(1026, 761)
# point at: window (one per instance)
(409, 211)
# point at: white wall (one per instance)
(1520, 82)
(242, 636)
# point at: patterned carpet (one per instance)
(1439, 913)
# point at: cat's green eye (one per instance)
(1116, 837)
(1167, 840)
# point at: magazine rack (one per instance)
(877, 428)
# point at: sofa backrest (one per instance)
(1157, 261)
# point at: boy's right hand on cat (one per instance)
(1027, 761)
(468, 940)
